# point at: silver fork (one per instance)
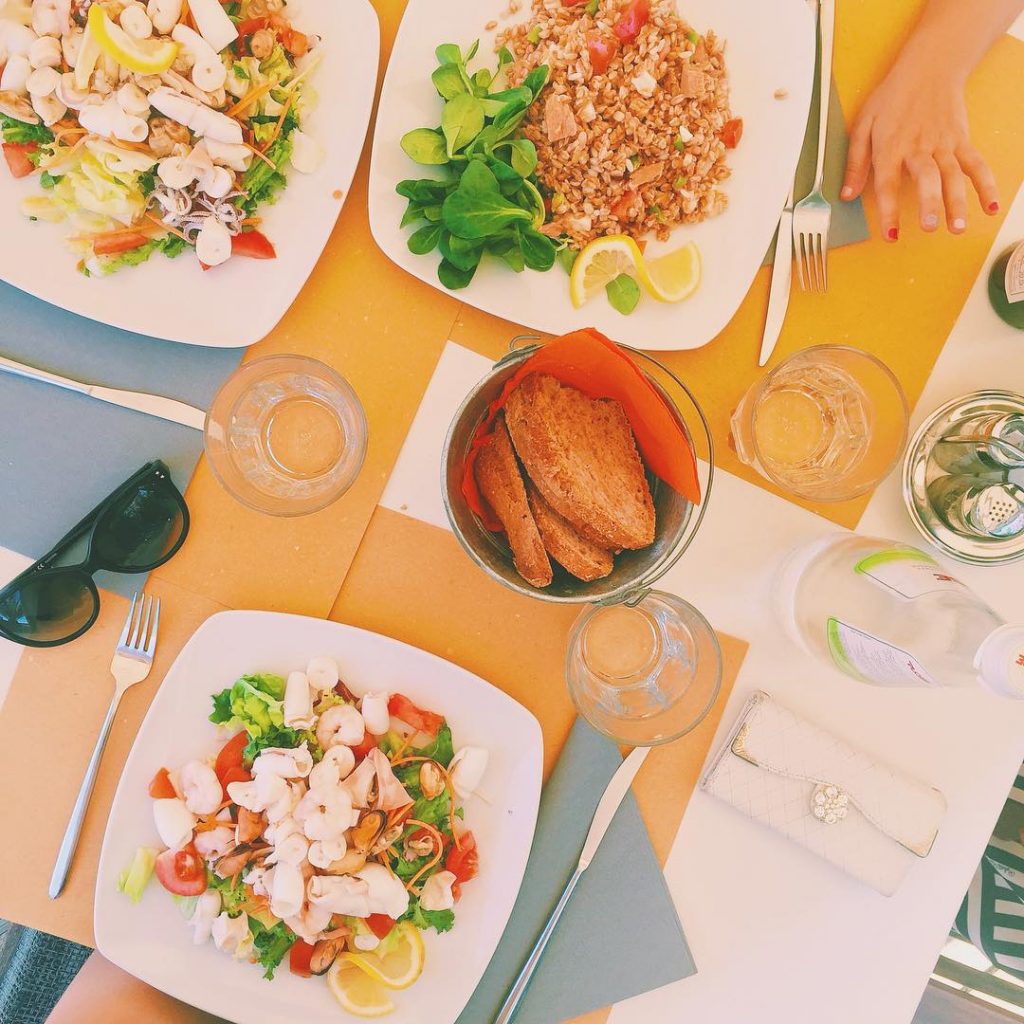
(813, 214)
(132, 661)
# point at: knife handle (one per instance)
(522, 982)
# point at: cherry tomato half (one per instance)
(182, 872)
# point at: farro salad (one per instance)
(156, 127)
(606, 122)
(326, 831)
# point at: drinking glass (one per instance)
(286, 435)
(644, 673)
(827, 424)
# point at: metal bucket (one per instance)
(635, 572)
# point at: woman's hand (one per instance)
(917, 119)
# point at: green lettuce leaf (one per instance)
(439, 920)
(271, 945)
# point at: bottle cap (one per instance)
(1000, 661)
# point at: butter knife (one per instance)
(139, 401)
(613, 795)
(782, 278)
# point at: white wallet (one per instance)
(868, 819)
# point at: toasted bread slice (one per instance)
(565, 544)
(501, 484)
(580, 454)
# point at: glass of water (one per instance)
(286, 435)
(827, 424)
(644, 674)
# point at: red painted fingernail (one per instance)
(892, 234)
(993, 207)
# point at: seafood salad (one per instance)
(327, 830)
(159, 126)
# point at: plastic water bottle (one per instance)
(889, 614)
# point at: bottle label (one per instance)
(907, 573)
(1014, 280)
(871, 660)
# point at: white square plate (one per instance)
(152, 941)
(770, 47)
(240, 302)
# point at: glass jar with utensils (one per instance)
(963, 479)
(643, 667)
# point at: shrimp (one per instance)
(336, 764)
(325, 814)
(340, 724)
(200, 788)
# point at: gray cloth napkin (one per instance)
(620, 934)
(62, 453)
(848, 222)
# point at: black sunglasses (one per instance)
(139, 526)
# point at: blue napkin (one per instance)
(62, 453)
(620, 934)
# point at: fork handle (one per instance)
(826, 33)
(70, 842)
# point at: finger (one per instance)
(984, 181)
(954, 192)
(858, 160)
(928, 180)
(887, 193)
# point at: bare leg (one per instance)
(104, 994)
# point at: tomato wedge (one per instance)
(732, 132)
(254, 244)
(299, 958)
(161, 788)
(234, 774)
(634, 16)
(16, 155)
(118, 241)
(380, 925)
(602, 50)
(422, 721)
(230, 755)
(463, 860)
(182, 872)
(363, 749)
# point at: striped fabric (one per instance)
(992, 913)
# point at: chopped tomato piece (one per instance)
(620, 211)
(422, 721)
(380, 925)
(182, 872)
(732, 132)
(602, 49)
(363, 749)
(463, 860)
(254, 244)
(118, 241)
(295, 42)
(16, 154)
(634, 16)
(299, 958)
(161, 787)
(230, 755)
(251, 26)
(233, 774)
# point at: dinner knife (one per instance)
(782, 279)
(139, 401)
(613, 795)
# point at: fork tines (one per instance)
(140, 628)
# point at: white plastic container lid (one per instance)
(1000, 661)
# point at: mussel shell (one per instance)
(432, 781)
(368, 831)
(325, 952)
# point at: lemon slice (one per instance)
(143, 56)
(401, 965)
(356, 991)
(674, 276)
(600, 262)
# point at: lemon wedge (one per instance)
(669, 278)
(401, 965)
(356, 991)
(143, 56)
(601, 262)
(674, 276)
